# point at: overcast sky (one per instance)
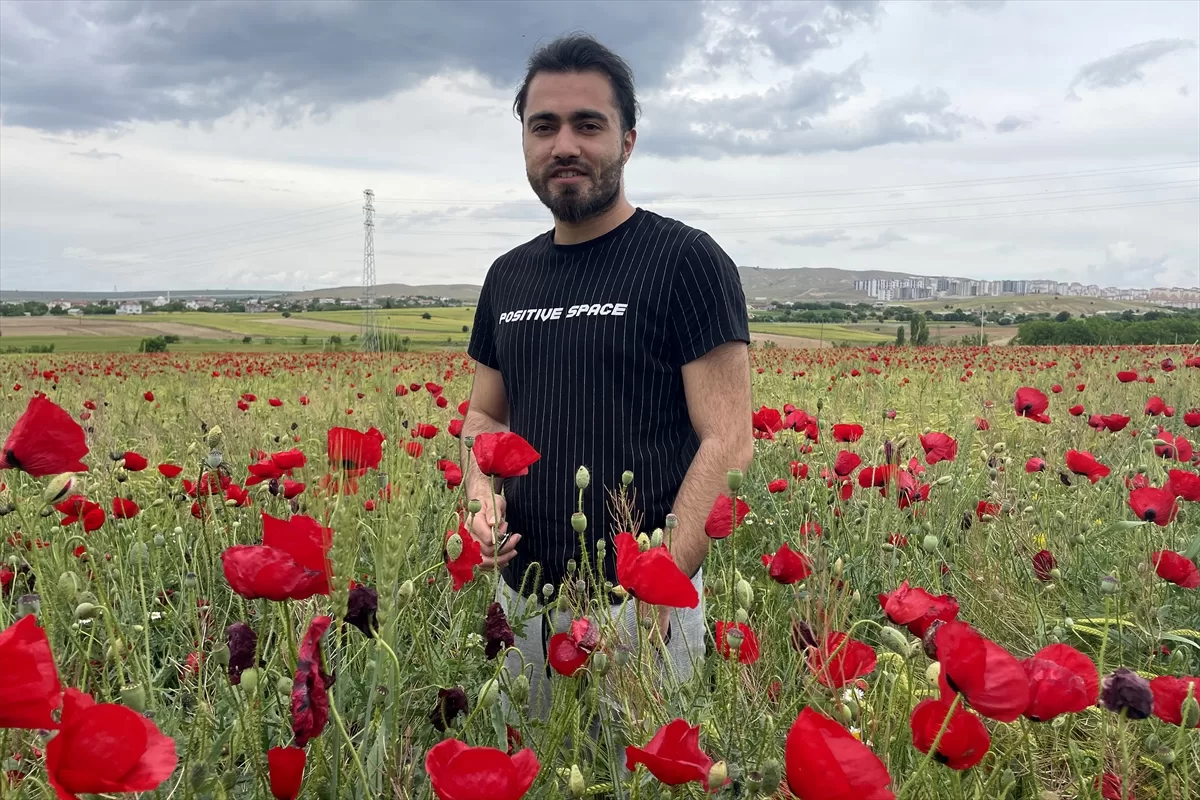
(189, 145)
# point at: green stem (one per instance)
(362, 773)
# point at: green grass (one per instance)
(1032, 304)
(840, 333)
(131, 344)
(442, 320)
(244, 324)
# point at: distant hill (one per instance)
(466, 292)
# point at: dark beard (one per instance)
(571, 204)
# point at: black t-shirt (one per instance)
(590, 339)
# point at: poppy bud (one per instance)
(718, 774)
(844, 713)
(548, 590)
(999, 447)
(1152, 743)
(656, 538)
(69, 583)
(820, 404)
(454, 546)
(283, 685)
(85, 611)
(250, 680)
(621, 657)
(1109, 585)
(213, 438)
(32, 604)
(744, 594)
(579, 522)
(626, 478)
(838, 567)
(600, 664)
(1190, 712)
(58, 487)
(488, 694)
(518, 690)
(772, 773)
(576, 785)
(895, 641)
(582, 478)
(930, 543)
(741, 616)
(580, 588)
(733, 479)
(945, 480)
(189, 580)
(932, 672)
(134, 697)
(643, 542)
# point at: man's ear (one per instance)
(630, 140)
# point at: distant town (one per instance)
(926, 288)
(251, 305)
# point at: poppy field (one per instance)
(948, 573)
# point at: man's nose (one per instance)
(566, 144)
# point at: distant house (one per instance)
(160, 301)
(63, 304)
(255, 307)
(192, 305)
(129, 307)
(75, 312)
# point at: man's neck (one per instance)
(575, 233)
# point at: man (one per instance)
(617, 341)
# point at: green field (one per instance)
(1030, 304)
(828, 333)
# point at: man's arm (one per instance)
(717, 387)
(487, 412)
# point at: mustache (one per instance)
(570, 163)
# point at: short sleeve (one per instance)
(709, 307)
(482, 344)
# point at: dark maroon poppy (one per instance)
(824, 761)
(653, 576)
(720, 522)
(916, 608)
(242, 642)
(1031, 403)
(987, 675)
(1062, 680)
(847, 432)
(1169, 693)
(673, 756)
(1125, 691)
(1084, 463)
(291, 563)
(45, 441)
(748, 651)
(1043, 564)
(361, 608)
(285, 766)
(787, 566)
(504, 454)
(1176, 568)
(1154, 505)
(450, 704)
(845, 463)
(497, 633)
(29, 689)
(310, 696)
(105, 748)
(457, 772)
(840, 660)
(964, 741)
(939, 447)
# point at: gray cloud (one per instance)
(814, 239)
(1124, 66)
(85, 67)
(226, 180)
(99, 155)
(885, 239)
(1011, 123)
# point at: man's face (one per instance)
(575, 151)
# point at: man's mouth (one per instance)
(566, 174)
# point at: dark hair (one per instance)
(580, 52)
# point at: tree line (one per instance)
(1175, 329)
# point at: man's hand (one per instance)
(482, 531)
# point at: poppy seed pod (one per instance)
(733, 479)
(582, 478)
(579, 522)
(134, 697)
(626, 478)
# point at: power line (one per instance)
(261, 221)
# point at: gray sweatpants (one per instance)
(685, 646)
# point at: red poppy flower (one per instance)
(870, 477)
(1075, 410)
(124, 509)
(286, 768)
(1031, 403)
(1062, 680)
(845, 463)
(274, 402)
(847, 432)
(288, 460)
(917, 609)
(748, 650)
(1191, 418)
(767, 422)
(1035, 465)
(354, 450)
(984, 508)
(424, 430)
(825, 762)
(169, 470)
(45, 441)
(76, 508)
(720, 522)
(673, 755)
(1176, 568)
(504, 454)
(1084, 463)
(1176, 447)
(565, 655)
(148, 397)
(458, 772)
(453, 476)
(909, 491)
(982, 424)
(1056, 388)
(787, 566)
(1155, 406)
(291, 563)
(1114, 423)
(1127, 376)
(778, 485)
(653, 576)
(455, 428)
(987, 675)
(104, 748)
(30, 689)
(1169, 694)
(1110, 787)
(836, 664)
(292, 489)
(799, 471)
(1184, 485)
(1154, 505)
(310, 695)
(134, 462)
(939, 447)
(965, 740)
(462, 569)
(414, 449)
(1043, 564)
